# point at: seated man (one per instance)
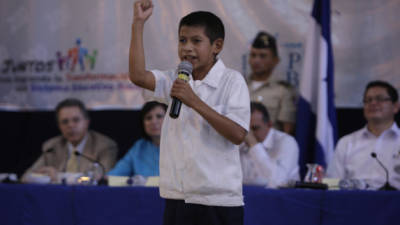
(277, 96)
(269, 157)
(381, 137)
(59, 152)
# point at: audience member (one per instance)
(269, 157)
(59, 152)
(380, 136)
(278, 96)
(143, 157)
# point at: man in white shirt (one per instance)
(269, 157)
(381, 136)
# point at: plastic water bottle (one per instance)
(315, 173)
(97, 173)
(91, 176)
(137, 180)
(353, 184)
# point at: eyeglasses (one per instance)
(378, 99)
(73, 120)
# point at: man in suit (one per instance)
(59, 152)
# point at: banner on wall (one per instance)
(50, 50)
(34, 83)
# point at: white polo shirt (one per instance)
(271, 163)
(352, 159)
(197, 164)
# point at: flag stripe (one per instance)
(316, 117)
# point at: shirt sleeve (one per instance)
(164, 81)
(125, 165)
(108, 154)
(336, 168)
(37, 165)
(280, 169)
(238, 105)
(42, 161)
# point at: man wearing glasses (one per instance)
(59, 152)
(356, 154)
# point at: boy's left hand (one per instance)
(182, 90)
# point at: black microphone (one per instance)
(49, 150)
(387, 186)
(184, 70)
(102, 180)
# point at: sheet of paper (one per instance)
(152, 182)
(333, 183)
(118, 181)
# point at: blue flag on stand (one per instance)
(316, 131)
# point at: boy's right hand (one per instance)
(142, 10)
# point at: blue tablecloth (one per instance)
(88, 205)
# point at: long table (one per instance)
(22, 204)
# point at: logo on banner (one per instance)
(66, 72)
(76, 58)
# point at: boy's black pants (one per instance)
(177, 212)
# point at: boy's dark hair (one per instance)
(265, 40)
(255, 106)
(72, 102)
(213, 26)
(392, 92)
(146, 109)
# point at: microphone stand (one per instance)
(50, 150)
(102, 180)
(386, 186)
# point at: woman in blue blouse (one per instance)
(143, 157)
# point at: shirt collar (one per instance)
(393, 130)
(215, 74)
(272, 79)
(79, 147)
(268, 142)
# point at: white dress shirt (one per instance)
(79, 148)
(197, 164)
(352, 158)
(272, 163)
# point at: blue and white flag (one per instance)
(316, 131)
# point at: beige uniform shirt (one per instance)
(279, 99)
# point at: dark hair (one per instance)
(72, 102)
(389, 88)
(213, 26)
(265, 40)
(255, 106)
(146, 109)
